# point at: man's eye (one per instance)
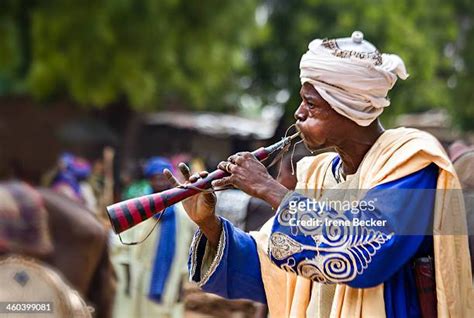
(310, 105)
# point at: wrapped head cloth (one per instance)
(352, 76)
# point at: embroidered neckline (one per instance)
(339, 172)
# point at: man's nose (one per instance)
(300, 113)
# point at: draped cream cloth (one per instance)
(354, 85)
(397, 153)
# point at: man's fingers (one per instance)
(185, 171)
(198, 175)
(232, 158)
(174, 182)
(240, 157)
(222, 182)
(222, 165)
(239, 160)
(226, 166)
(194, 177)
(235, 156)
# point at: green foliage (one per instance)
(463, 101)
(210, 54)
(417, 30)
(149, 51)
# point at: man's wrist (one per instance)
(211, 228)
(274, 193)
(209, 223)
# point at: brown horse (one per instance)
(76, 241)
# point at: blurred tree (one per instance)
(463, 53)
(204, 54)
(150, 52)
(417, 30)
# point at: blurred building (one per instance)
(210, 136)
(437, 122)
(32, 135)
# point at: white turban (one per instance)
(355, 84)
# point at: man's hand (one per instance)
(199, 207)
(250, 175)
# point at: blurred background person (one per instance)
(70, 180)
(151, 273)
(101, 181)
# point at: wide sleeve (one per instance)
(363, 245)
(232, 270)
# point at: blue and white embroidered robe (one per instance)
(233, 270)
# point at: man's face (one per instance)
(320, 125)
(159, 182)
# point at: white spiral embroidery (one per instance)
(285, 216)
(338, 259)
(334, 235)
(289, 265)
(311, 271)
(339, 267)
(282, 246)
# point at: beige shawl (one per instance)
(397, 153)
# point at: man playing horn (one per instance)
(401, 176)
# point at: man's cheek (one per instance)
(315, 132)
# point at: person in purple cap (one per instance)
(72, 170)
